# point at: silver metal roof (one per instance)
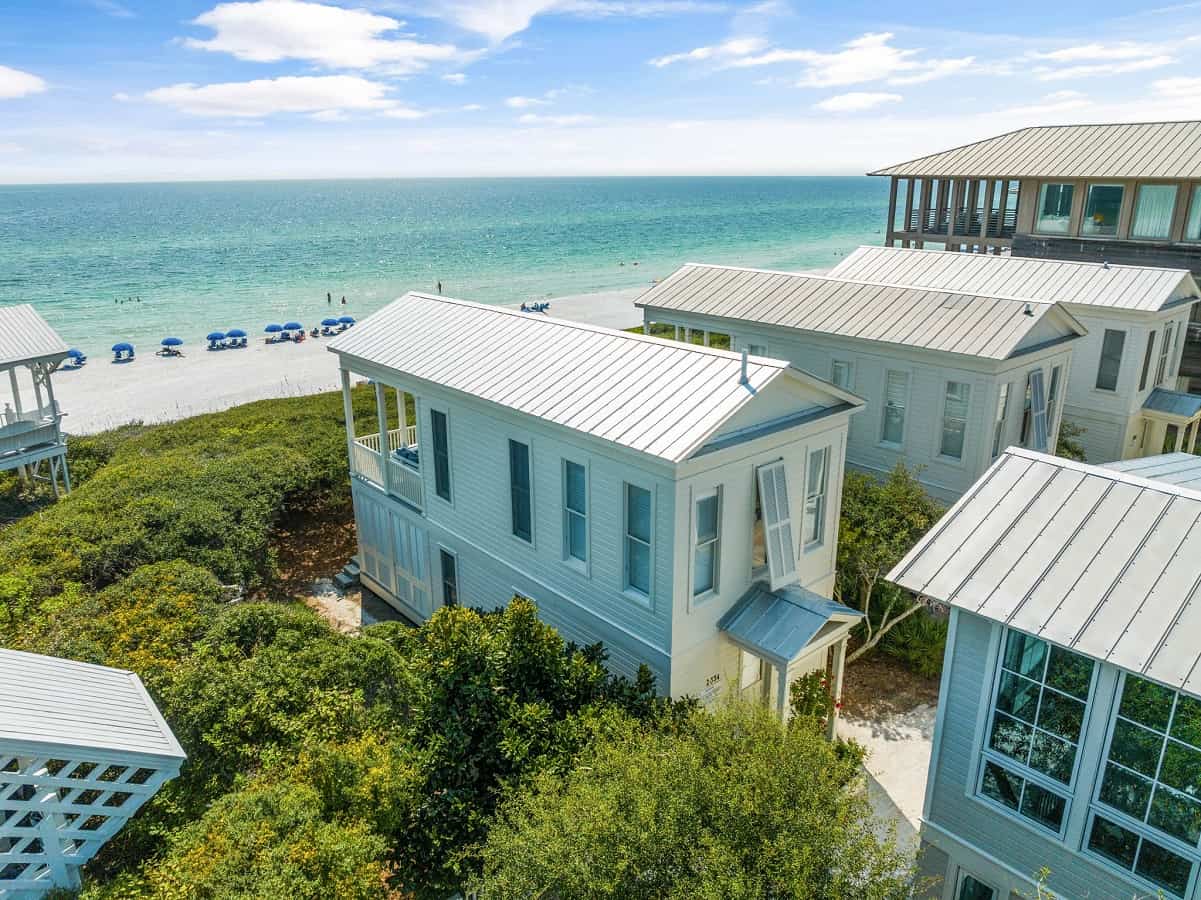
(25, 336)
(1091, 558)
(972, 324)
(1173, 403)
(1182, 469)
(1045, 280)
(778, 625)
(46, 700)
(1137, 150)
(662, 398)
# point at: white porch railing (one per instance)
(23, 435)
(405, 482)
(402, 479)
(367, 461)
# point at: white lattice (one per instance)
(55, 813)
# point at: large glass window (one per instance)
(1054, 209)
(1192, 224)
(1038, 713)
(441, 443)
(1165, 353)
(575, 511)
(896, 400)
(1153, 212)
(998, 432)
(519, 490)
(1112, 345)
(814, 526)
(954, 418)
(638, 540)
(707, 549)
(1149, 800)
(1101, 210)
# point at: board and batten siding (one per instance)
(976, 836)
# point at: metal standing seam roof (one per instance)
(46, 700)
(1134, 150)
(991, 327)
(25, 336)
(1141, 288)
(1173, 403)
(662, 398)
(779, 625)
(1181, 469)
(1091, 558)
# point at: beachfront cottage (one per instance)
(1068, 732)
(678, 503)
(31, 436)
(1122, 193)
(82, 747)
(1124, 388)
(951, 378)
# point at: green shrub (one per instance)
(919, 641)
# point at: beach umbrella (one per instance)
(75, 354)
(293, 326)
(346, 320)
(273, 328)
(123, 347)
(329, 322)
(215, 336)
(235, 332)
(171, 342)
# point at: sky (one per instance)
(123, 90)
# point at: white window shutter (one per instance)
(1038, 410)
(777, 524)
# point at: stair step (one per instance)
(344, 581)
(351, 569)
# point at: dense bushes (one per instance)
(919, 642)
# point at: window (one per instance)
(842, 373)
(756, 349)
(777, 524)
(707, 543)
(954, 418)
(519, 490)
(814, 524)
(1150, 352)
(970, 888)
(1165, 353)
(450, 577)
(575, 512)
(638, 540)
(1038, 711)
(1111, 359)
(998, 434)
(1148, 815)
(441, 443)
(1054, 209)
(1053, 399)
(896, 399)
(1170, 434)
(1153, 212)
(1192, 225)
(1101, 210)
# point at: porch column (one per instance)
(1192, 441)
(923, 209)
(37, 386)
(58, 431)
(348, 412)
(840, 660)
(782, 693)
(957, 192)
(706, 338)
(402, 416)
(986, 213)
(12, 377)
(892, 212)
(677, 336)
(381, 416)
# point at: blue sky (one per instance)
(99, 90)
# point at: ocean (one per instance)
(139, 262)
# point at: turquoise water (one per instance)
(211, 256)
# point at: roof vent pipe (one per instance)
(1029, 310)
(742, 379)
(1105, 264)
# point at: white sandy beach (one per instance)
(154, 389)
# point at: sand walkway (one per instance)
(152, 389)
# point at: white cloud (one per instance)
(1093, 51)
(405, 112)
(1095, 58)
(289, 94)
(501, 19)
(525, 102)
(122, 97)
(856, 101)
(1093, 70)
(1178, 88)
(471, 107)
(733, 48)
(537, 119)
(455, 78)
(273, 30)
(1050, 105)
(935, 69)
(15, 83)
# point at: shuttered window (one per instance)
(1111, 359)
(1053, 399)
(998, 434)
(1038, 412)
(777, 524)
(441, 442)
(954, 418)
(1165, 354)
(896, 401)
(1146, 370)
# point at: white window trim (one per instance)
(1163, 364)
(714, 590)
(626, 588)
(529, 449)
(1117, 381)
(1124, 212)
(819, 542)
(890, 445)
(450, 457)
(787, 567)
(1038, 201)
(442, 548)
(1000, 421)
(962, 874)
(583, 566)
(942, 422)
(850, 366)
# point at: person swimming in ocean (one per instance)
(439, 287)
(329, 298)
(343, 300)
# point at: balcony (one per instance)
(398, 471)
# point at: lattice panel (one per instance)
(56, 814)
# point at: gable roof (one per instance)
(991, 327)
(26, 336)
(47, 700)
(1135, 150)
(662, 398)
(1141, 288)
(1094, 559)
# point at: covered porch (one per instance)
(386, 454)
(792, 632)
(1171, 420)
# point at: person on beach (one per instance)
(439, 287)
(344, 300)
(329, 298)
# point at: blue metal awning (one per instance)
(1173, 403)
(779, 625)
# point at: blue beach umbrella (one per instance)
(172, 342)
(215, 336)
(329, 322)
(346, 320)
(274, 328)
(235, 332)
(75, 354)
(293, 326)
(123, 347)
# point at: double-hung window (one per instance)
(1054, 209)
(520, 507)
(816, 479)
(1037, 716)
(896, 401)
(955, 403)
(441, 442)
(842, 373)
(998, 431)
(1112, 345)
(1146, 817)
(575, 512)
(1165, 354)
(638, 540)
(706, 554)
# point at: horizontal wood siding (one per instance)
(1103, 436)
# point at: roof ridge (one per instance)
(1103, 472)
(990, 258)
